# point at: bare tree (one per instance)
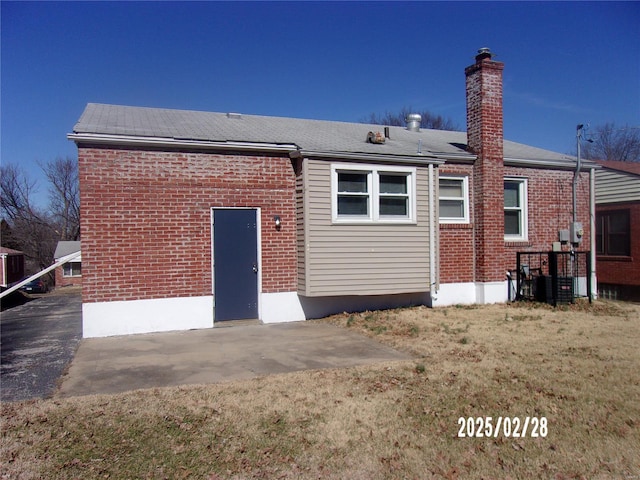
(17, 190)
(608, 142)
(429, 120)
(32, 230)
(9, 240)
(64, 196)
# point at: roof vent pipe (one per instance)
(413, 122)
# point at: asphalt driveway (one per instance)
(37, 342)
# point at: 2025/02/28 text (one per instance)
(510, 427)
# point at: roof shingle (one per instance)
(310, 135)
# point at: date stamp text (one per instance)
(509, 427)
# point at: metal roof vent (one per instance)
(413, 122)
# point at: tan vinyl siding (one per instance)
(614, 186)
(362, 259)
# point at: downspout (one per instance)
(574, 198)
(592, 229)
(433, 284)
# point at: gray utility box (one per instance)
(576, 232)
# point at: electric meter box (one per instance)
(563, 236)
(576, 232)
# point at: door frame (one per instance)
(259, 255)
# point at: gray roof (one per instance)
(65, 248)
(307, 135)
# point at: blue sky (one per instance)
(565, 63)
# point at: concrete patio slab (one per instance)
(117, 364)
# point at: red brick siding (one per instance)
(146, 228)
(456, 253)
(456, 240)
(62, 281)
(622, 270)
(485, 138)
(549, 194)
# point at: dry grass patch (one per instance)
(576, 366)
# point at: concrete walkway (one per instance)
(118, 364)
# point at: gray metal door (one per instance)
(235, 251)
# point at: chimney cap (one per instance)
(484, 52)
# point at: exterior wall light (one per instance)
(278, 221)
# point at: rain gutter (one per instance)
(367, 157)
(168, 142)
(568, 164)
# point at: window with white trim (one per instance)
(367, 193)
(515, 209)
(453, 199)
(72, 269)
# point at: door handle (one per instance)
(255, 268)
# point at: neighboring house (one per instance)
(618, 230)
(70, 273)
(12, 269)
(191, 218)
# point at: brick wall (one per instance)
(622, 270)
(550, 208)
(457, 255)
(146, 228)
(62, 281)
(549, 195)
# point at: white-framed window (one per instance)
(371, 193)
(72, 269)
(453, 199)
(515, 209)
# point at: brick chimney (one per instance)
(485, 139)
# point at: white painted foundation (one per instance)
(281, 307)
(291, 307)
(104, 319)
(454, 294)
(470, 293)
(319, 307)
(491, 292)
